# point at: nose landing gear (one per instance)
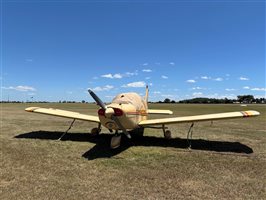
(116, 140)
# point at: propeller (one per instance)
(113, 117)
(97, 99)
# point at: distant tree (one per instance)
(167, 100)
(83, 101)
(245, 98)
(173, 101)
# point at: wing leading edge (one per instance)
(63, 113)
(163, 112)
(198, 118)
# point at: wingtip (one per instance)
(256, 112)
(31, 109)
(252, 113)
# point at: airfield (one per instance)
(227, 159)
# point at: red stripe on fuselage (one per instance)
(136, 113)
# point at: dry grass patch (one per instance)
(227, 161)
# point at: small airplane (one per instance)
(129, 112)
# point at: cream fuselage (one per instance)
(130, 118)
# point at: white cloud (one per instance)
(145, 64)
(109, 96)
(164, 77)
(104, 88)
(20, 88)
(135, 84)
(172, 63)
(258, 89)
(197, 88)
(147, 78)
(167, 95)
(117, 76)
(147, 70)
(230, 89)
(243, 78)
(112, 76)
(218, 79)
(131, 73)
(191, 81)
(205, 77)
(156, 92)
(197, 94)
(254, 89)
(95, 78)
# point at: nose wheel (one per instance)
(115, 141)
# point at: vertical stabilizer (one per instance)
(146, 95)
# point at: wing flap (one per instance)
(164, 112)
(197, 118)
(63, 113)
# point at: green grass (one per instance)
(227, 161)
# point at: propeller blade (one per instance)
(120, 126)
(97, 99)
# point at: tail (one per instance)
(146, 95)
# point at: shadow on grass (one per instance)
(102, 143)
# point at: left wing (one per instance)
(63, 113)
(198, 118)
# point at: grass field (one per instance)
(227, 160)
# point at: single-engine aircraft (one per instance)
(129, 112)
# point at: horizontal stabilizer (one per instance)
(163, 112)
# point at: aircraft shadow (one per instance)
(102, 143)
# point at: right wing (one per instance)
(164, 112)
(198, 118)
(63, 113)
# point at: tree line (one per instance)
(240, 99)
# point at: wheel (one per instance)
(115, 141)
(167, 134)
(95, 131)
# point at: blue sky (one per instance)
(56, 50)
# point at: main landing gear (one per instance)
(96, 131)
(167, 133)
